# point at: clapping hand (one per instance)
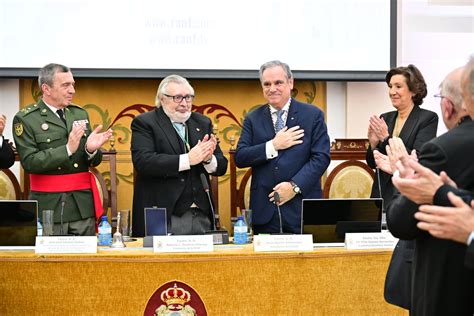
(203, 150)
(399, 157)
(420, 186)
(97, 139)
(213, 140)
(373, 139)
(453, 223)
(3, 120)
(378, 130)
(75, 137)
(383, 162)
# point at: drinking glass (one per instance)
(125, 228)
(48, 222)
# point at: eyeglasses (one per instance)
(439, 95)
(179, 98)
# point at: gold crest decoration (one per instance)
(174, 298)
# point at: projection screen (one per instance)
(319, 39)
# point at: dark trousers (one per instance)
(192, 222)
(83, 227)
(273, 226)
(399, 279)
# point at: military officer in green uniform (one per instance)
(57, 146)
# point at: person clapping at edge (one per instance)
(7, 156)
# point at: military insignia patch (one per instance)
(81, 122)
(18, 129)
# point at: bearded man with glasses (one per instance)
(171, 147)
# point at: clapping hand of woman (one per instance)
(379, 128)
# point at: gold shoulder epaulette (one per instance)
(75, 106)
(28, 109)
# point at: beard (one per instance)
(177, 117)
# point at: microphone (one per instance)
(63, 202)
(219, 237)
(276, 200)
(205, 186)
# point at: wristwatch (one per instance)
(296, 188)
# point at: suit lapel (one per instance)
(195, 131)
(292, 119)
(268, 127)
(168, 130)
(70, 119)
(390, 121)
(410, 123)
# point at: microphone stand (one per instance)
(212, 209)
(221, 236)
(63, 202)
(384, 216)
(276, 199)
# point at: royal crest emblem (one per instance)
(175, 298)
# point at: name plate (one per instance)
(183, 243)
(359, 241)
(66, 244)
(262, 243)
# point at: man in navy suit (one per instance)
(287, 145)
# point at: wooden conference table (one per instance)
(232, 280)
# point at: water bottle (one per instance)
(105, 232)
(39, 228)
(240, 231)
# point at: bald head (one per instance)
(451, 102)
(467, 86)
(451, 87)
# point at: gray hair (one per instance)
(469, 71)
(450, 87)
(275, 63)
(164, 84)
(46, 74)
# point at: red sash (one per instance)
(68, 183)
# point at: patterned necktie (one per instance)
(180, 128)
(61, 115)
(279, 121)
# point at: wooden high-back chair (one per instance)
(352, 178)
(107, 189)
